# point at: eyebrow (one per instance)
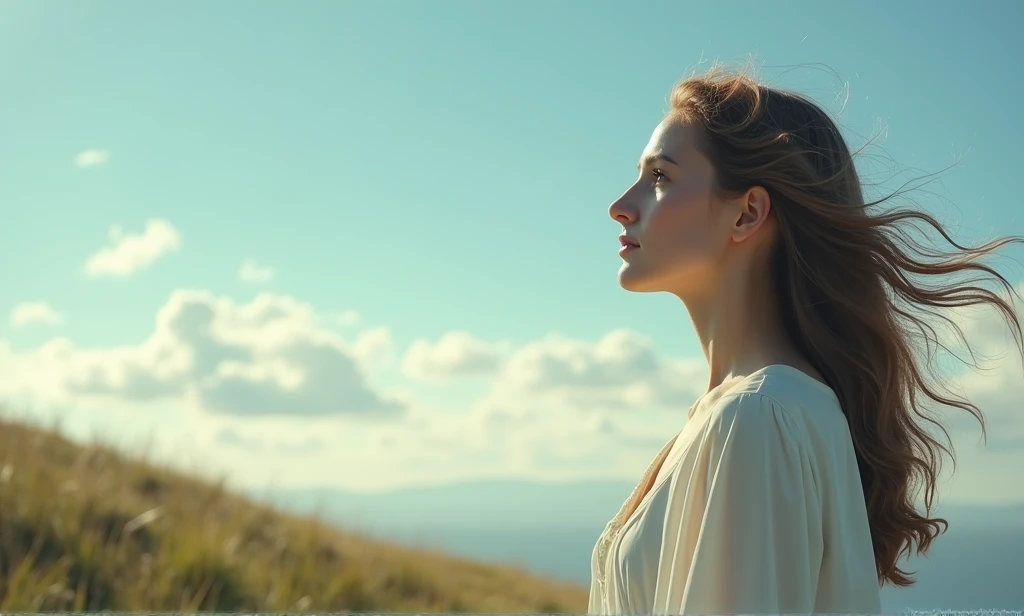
(650, 159)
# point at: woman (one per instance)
(791, 487)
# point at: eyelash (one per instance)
(658, 175)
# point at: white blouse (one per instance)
(757, 508)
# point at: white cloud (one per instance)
(557, 407)
(264, 358)
(375, 347)
(621, 371)
(998, 388)
(291, 445)
(91, 158)
(348, 318)
(30, 313)
(231, 437)
(253, 272)
(985, 331)
(129, 253)
(455, 354)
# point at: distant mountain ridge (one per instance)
(476, 504)
(522, 503)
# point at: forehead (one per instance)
(674, 138)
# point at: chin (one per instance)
(635, 281)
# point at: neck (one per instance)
(738, 326)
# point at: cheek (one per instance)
(681, 224)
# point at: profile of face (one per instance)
(677, 233)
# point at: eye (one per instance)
(659, 176)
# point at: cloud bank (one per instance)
(34, 313)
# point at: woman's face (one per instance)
(672, 215)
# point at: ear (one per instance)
(752, 212)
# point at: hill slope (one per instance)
(84, 528)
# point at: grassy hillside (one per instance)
(83, 528)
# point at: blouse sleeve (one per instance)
(749, 532)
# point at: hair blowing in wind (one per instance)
(859, 295)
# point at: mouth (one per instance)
(627, 244)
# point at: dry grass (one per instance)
(83, 528)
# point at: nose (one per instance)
(623, 211)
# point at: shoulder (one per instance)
(753, 441)
(784, 396)
(751, 418)
(775, 407)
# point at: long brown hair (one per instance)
(857, 293)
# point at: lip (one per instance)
(628, 244)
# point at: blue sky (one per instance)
(432, 168)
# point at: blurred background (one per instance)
(313, 306)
